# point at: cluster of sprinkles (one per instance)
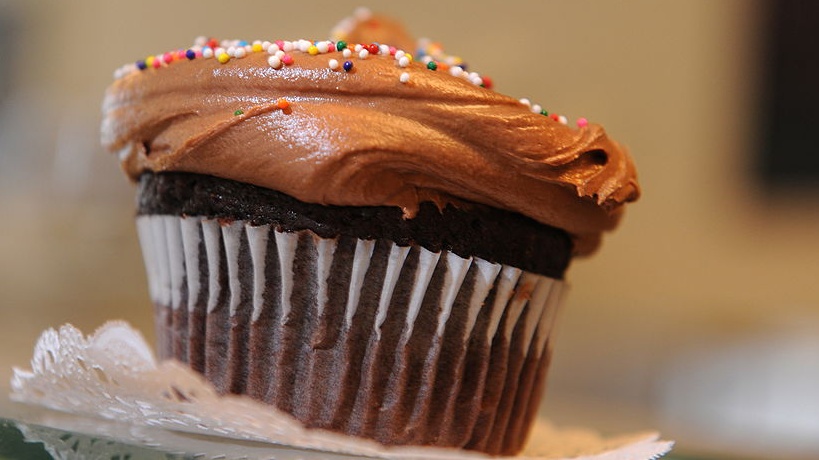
(535, 108)
(281, 53)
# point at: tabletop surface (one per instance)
(28, 441)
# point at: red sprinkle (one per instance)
(554, 117)
(372, 48)
(487, 82)
(287, 59)
(213, 43)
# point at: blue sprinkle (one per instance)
(190, 54)
(141, 65)
(348, 65)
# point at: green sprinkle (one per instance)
(238, 112)
(432, 65)
(544, 112)
(340, 45)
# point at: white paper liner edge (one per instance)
(113, 374)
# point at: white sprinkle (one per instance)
(404, 77)
(274, 62)
(477, 81)
(363, 54)
(266, 44)
(384, 49)
(323, 47)
(279, 54)
(200, 40)
(346, 53)
(456, 71)
(427, 60)
(240, 53)
(207, 52)
(399, 54)
(287, 46)
(333, 64)
(536, 108)
(304, 45)
(403, 62)
(526, 102)
(231, 51)
(562, 119)
(272, 48)
(358, 47)
(248, 49)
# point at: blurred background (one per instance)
(699, 316)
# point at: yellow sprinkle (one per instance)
(257, 47)
(312, 50)
(149, 61)
(409, 56)
(223, 58)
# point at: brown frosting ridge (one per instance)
(363, 138)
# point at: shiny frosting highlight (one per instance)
(364, 137)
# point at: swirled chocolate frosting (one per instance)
(366, 129)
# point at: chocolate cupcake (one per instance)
(372, 242)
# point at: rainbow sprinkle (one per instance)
(284, 53)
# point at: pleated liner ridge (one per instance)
(397, 344)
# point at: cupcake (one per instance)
(358, 231)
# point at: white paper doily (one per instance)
(113, 374)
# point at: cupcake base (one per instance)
(362, 336)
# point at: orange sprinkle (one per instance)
(283, 104)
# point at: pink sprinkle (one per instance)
(392, 51)
(198, 53)
(331, 47)
(280, 44)
(157, 63)
(167, 57)
(180, 54)
(582, 122)
(287, 59)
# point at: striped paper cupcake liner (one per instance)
(365, 337)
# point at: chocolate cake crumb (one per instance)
(489, 233)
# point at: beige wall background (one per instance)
(699, 315)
